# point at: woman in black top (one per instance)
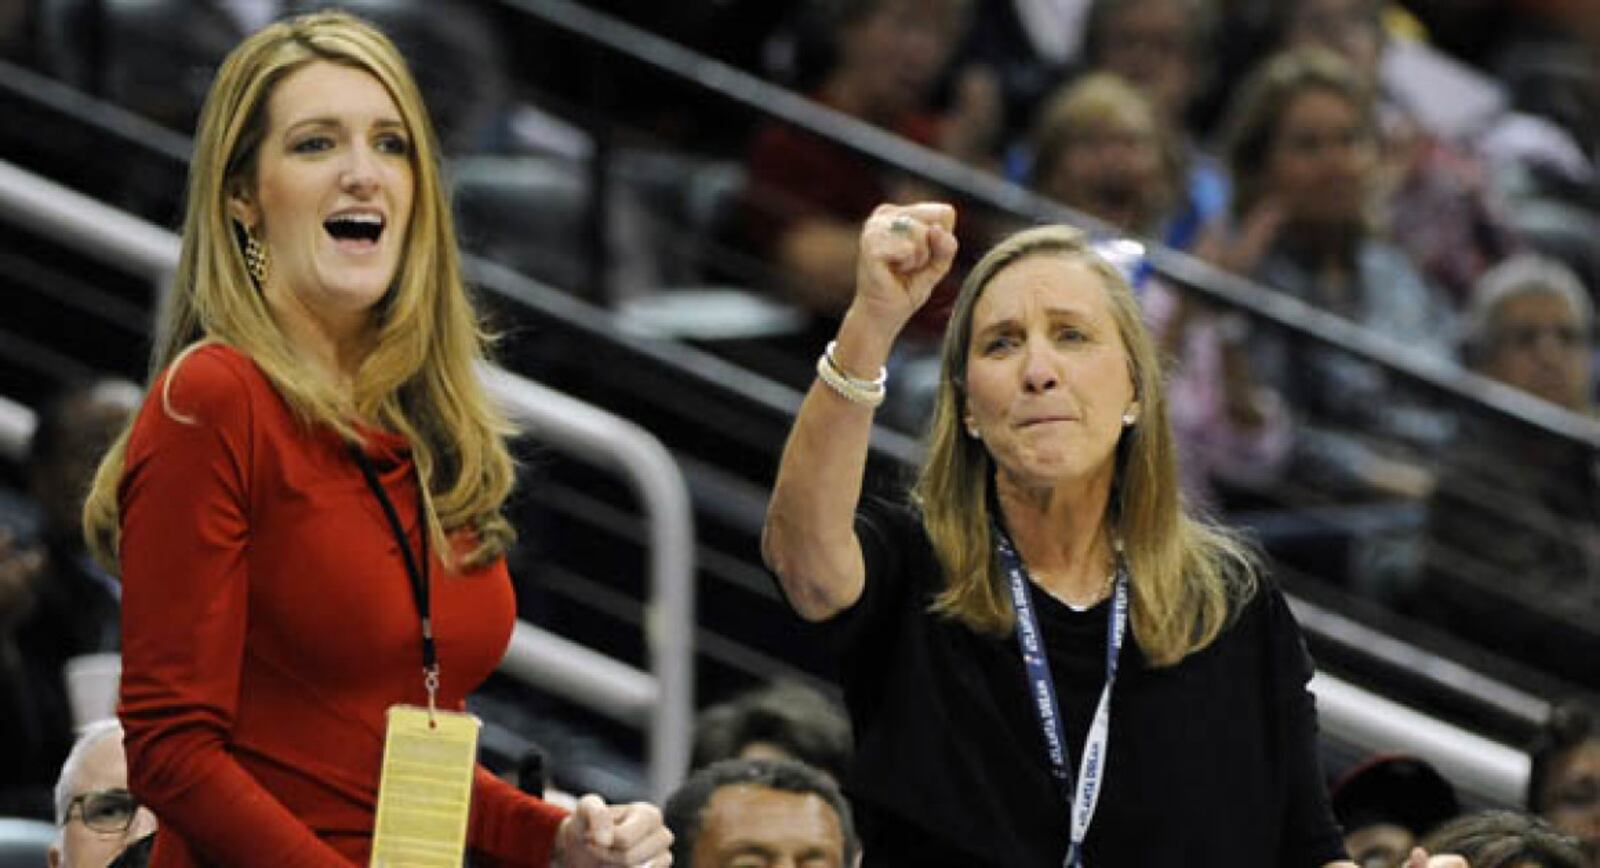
(1001, 719)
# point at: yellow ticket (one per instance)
(425, 793)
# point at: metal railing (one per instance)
(1494, 771)
(1300, 318)
(661, 701)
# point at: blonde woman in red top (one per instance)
(313, 424)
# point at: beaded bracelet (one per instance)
(868, 393)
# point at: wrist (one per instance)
(558, 853)
(863, 344)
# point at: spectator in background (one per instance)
(1531, 326)
(1152, 43)
(1435, 198)
(1564, 781)
(1302, 147)
(1030, 47)
(760, 812)
(1157, 46)
(98, 817)
(1513, 528)
(1101, 146)
(807, 196)
(1506, 839)
(1387, 804)
(55, 602)
(786, 720)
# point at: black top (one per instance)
(1211, 762)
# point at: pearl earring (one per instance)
(1128, 419)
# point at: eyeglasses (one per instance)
(104, 810)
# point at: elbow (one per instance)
(167, 755)
(808, 599)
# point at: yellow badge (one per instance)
(425, 793)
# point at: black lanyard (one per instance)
(418, 575)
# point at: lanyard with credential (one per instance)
(1082, 795)
(418, 574)
(425, 784)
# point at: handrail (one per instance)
(17, 423)
(665, 697)
(984, 187)
(43, 206)
(1350, 709)
(593, 435)
(1473, 763)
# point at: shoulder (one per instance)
(207, 384)
(1269, 622)
(211, 370)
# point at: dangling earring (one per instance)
(255, 258)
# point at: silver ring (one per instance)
(900, 225)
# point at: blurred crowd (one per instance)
(1423, 173)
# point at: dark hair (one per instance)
(1505, 839)
(684, 807)
(1569, 726)
(802, 722)
(1391, 788)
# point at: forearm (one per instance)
(809, 538)
(213, 805)
(509, 827)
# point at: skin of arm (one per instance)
(809, 538)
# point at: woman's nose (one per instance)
(1038, 374)
(360, 173)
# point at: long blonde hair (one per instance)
(419, 380)
(1188, 578)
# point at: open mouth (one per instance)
(357, 228)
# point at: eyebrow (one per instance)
(334, 121)
(1053, 313)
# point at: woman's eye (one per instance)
(312, 145)
(1071, 335)
(999, 344)
(395, 145)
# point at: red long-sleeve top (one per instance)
(268, 624)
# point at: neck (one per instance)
(1061, 535)
(333, 346)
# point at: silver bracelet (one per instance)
(868, 393)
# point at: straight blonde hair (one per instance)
(1188, 578)
(420, 379)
